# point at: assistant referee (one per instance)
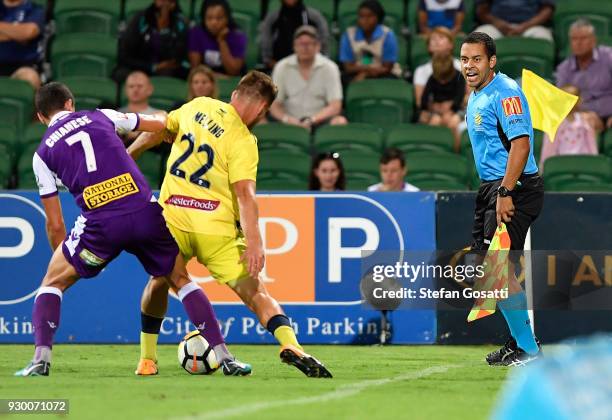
(511, 191)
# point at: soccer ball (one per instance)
(196, 356)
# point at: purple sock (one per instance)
(46, 315)
(201, 313)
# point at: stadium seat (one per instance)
(438, 167)
(355, 136)
(275, 184)
(284, 164)
(166, 92)
(150, 166)
(16, 103)
(438, 185)
(360, 165)
(134, 6)
(91, 92)
(83, 55)
(33, 135)
(25, 175)
(581, 186)
(606, 147)
(8, 138)
(394, 14)
(87, 16)
(360, 181)
(516, 53)
(326, 7)
(382, 102)
(226, 87)
(282, 136)
(538, 137)
(6, 164)
(469, 21)
(598, 12)
(411, 138)
(559, 170)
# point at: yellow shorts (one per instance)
(220, 254)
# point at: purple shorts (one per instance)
(92, 243)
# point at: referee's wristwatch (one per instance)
(504, 192)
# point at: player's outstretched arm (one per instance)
(249, 220)
(56, 229)
(152, 123)
(145, 141)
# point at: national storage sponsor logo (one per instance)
(104, 192)
(192, 203)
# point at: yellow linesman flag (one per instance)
(548, 104)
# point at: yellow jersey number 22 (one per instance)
(196, 177)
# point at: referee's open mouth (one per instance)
(471, 76)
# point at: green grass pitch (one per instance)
(424, 382)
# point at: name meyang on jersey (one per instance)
(208, 123)
(67, 128)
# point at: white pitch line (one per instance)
(343, 391)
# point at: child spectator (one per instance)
(444, 96)
(445, 13)
(575, 136)
(155, 42)
(369, 49)
(277, 29)
(217, 42)
(327, 173)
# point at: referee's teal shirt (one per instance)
(496, 115)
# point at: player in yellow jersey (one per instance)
(208, 196)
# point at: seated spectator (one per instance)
(138, 90)
(201, 81)
(309, 85)
(327, 173)
(369, 49)
(444, 97)
(528, 18)
(439, 42)
(589, 68)
(155, 42)
(575, 136)
(392, 172)
(217, 42)
(446, 13)
(22, 25)
(277, 29)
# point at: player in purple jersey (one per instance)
(119, 213)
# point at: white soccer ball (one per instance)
(196, 356)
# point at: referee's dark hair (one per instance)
(482, 38)
(393, 153)
(51, 98)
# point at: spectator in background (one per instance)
(309, 84)
(217, 42)
(22, 25)
(155, 42)
(201, 81)
(444, 97)
(138, 90)
(440, 41)
(529, 18)
(445, 13)
(327, 173)
(575, 135)
(369, 49)
(277, 29)
(589, 68)
(392, 172)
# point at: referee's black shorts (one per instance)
(528, 200)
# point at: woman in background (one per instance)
(327, 173)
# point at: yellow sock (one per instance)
(148, 346)
(286, 336)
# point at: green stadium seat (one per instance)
(87, 16)
(326, 7)
(598, 12)
(90, 92)
(516, 53)
(6, 164)
(559, 170)
(134, 6)
(394, 14)
(83, 55)
(150, 164)
(16, 103)
(411, 138)
(282, 136)
(355, 136)
(226, 87)
(275, 184)
(383, 102)
(25, 175)
(187, 9)
(360, 181)
(469, 21)
(606, 147)
(438, 167)
(8, 138)
(465, 147)
(538, 138)
(284, 164)
(584, 187)
(360, 165)
(438, 185)
(33, 135)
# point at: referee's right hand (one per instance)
(504, 210)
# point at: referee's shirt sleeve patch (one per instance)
(512, 115)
